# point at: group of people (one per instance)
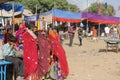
(71, 34)
(111, 32)
(43, 54)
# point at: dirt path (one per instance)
(91, 62)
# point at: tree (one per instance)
(72, 7)
(45, 5)
(105, 11)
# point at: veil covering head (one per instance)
(22, 26)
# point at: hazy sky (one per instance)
(82, 4)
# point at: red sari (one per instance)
(59, 52)
(30, 56)
(44, 55)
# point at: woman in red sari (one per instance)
(94, 34)
(36, 55)
(60, 55)
(30, 56)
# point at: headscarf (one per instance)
(18, 34)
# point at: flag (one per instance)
(105, 5)
(113, 10)
(38, 24)
(119, 8)
(99, 8)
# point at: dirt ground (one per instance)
(91, 62)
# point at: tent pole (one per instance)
(13, 26)
(52, 17)
(87, 21)
(99, 30)
(87, 27)
(36, 15)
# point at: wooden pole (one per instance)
(36, 16)
(99, 30)
(13, 26)
(87, 28)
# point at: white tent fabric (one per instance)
(47, 18)
(27, 12)
(4, 13)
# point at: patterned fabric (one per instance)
(30, 55)
(44, 55)
(59, 71)
(59, 52)
(18, 35)
(70, 31)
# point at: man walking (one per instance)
(80, 33)
(71, 35)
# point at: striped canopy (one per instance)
(64, 16)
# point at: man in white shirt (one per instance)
(115, 32)
(107, 30)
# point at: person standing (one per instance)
(107, 30)
(71, 35)
(94, 34)
(115, 32)
(80, 34)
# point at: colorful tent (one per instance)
(8, 7)
(64, 16)
(100, 18)
(6, 10)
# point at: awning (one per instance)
(6, 10)
(8, 7)
(100, 18)
(64, 16)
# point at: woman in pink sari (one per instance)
(18, 35)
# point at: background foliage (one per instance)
(105, 11)
(45, 5)
(40, 6)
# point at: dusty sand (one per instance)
(91, 62)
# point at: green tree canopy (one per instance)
(45, 5)
(105, 11)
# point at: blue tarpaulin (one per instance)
(64, 16)
(8, 7)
